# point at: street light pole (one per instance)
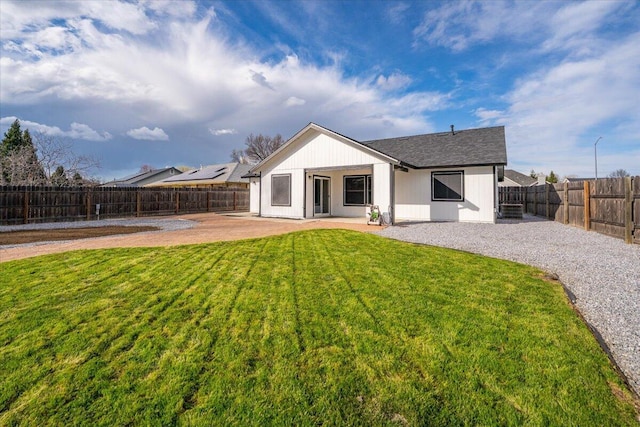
(595, 153)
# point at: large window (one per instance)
(357, 190)
(447, 186)
(281, 190)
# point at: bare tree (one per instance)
(19, 168)
(258, 148)
(146, 168)
(619, 173)
(54, 152)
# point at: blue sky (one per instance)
(169, 83)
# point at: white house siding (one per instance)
(319, 154)
(413, 196)
(254, 195)
(382, 184)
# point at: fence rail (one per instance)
(609, 206)
(33, 204)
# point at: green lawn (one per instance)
(317, 327)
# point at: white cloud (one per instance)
(462, 24)
(394, 81)
(218, 132)
(553, 111)
(145, 133)
(76, 131)
(293, 101)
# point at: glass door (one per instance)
(321, 198)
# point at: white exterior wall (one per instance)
(413, 196)
(319, 154)
(382, 186)
(254, 195)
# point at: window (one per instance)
(447, 186)
(281, 190)
(357, 190)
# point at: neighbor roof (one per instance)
(469, 147)
(519, 178)
(212, 174)
(141, 177)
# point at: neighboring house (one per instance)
(516, 179)
(574, 179)
(449, 176)
(222, 175)
(144, 178)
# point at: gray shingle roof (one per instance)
(519, 178)
(470, 147)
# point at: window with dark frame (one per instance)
(357, 190)
(447, 186)
(281, 190)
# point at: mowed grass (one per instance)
(317, 327)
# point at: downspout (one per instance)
(304, 195)
(260, 194)
(392, 208)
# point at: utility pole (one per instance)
(595, 153)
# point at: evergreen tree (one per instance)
(59, 177)
(552, 178)
(12, 139)
(19, 160)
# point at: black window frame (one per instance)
(280, 175)
(367, 191)
(434, 186)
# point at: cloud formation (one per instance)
(76, 130)
(145, 133)
(218, 132)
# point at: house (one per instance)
(449, 176)
(576, 179)
(516, 179)
(141, 179)
(221, 175)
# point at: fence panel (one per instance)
(29, 204)
(636, 209)
(607, 207)
(614, 204)
(576, 203)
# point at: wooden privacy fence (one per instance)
(31, 204)
(609, 206)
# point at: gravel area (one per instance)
(601, 273)
(162, 223)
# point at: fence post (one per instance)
(208, 199)
(88, 190)
(546, 199)
(628, 203)
(566, 203)
(234, 201)
(177, 200)
(587, 207)
(138, 202)
(26, 205)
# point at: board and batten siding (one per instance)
(254, 195)
(413, 196)
(319, 154)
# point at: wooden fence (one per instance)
(609, 206)
(31, 204)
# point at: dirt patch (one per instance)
(32, 236)
(210, 227)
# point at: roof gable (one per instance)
(320, 129)
(471, 147)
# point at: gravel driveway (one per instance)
(601, 272)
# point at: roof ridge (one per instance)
(444, 133)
